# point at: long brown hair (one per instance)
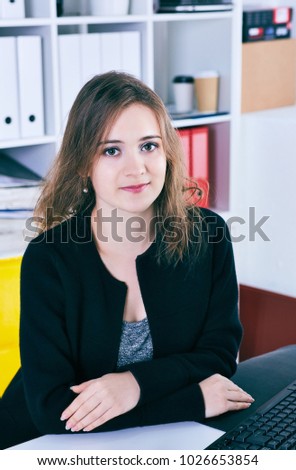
(91, 117)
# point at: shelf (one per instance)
(286, 112)
(77, 20)
(200, 121)
(47, 139)
(4, 254)
(16, 23)
(201, 16)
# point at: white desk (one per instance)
(176, 436)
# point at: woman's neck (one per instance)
(119, 232)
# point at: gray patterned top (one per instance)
(135, 343)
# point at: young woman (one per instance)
(129, 293)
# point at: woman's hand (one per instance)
(221, 394)
(100, 400)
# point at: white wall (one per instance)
(268, 183)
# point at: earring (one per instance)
(85, 183)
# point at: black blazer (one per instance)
(71, 317)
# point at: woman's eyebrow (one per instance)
(147, 137)
(104, 142)
(115, 141)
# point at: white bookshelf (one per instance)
(266, 178)
(171, 44)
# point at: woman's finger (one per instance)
(237, 405)
(80, 401)
(109, 414)
(239, 396)
(92, 417)
(88, 405)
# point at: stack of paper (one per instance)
(19, 191)
(17, 194)
(19, 186)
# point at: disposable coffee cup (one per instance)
(108, 7)
(183, 86)
(206, 84)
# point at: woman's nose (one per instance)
(134, 164)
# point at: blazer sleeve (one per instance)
(47, 368)
(216, 349)
(186, 404)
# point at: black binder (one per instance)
(187, 6)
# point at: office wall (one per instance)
(269, 321)
(268, 146)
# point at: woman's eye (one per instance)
(111, 152)
(149, 146)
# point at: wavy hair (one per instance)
(95, 109)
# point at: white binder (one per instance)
(70, 71)
(30, 78)
(9, 115)
(12, 9)
(90, 53)
(111, 51)
(131, 52)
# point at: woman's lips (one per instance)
(136, 188)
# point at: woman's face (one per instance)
(129, 170)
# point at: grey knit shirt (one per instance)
(135, 343)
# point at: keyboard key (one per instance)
(273, 444)
(285, 446)
(291, 428)
(282, 415)
(282, 424)
(285, 403)
(292, 441)
(289, 420)
(285, 434)
(266, 427)
(242, 436)
(239, 445)
(279, 439)
(272, 434)
(277, 429)
(259, 432)
(259, 440)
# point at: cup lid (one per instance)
(183, 79)
(207, 74)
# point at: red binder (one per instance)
(185, 136)
(199, 153)
(200, 161)
(195, 142)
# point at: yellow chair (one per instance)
(9, 319)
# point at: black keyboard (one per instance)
(272, 426)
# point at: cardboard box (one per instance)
(268, 74)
